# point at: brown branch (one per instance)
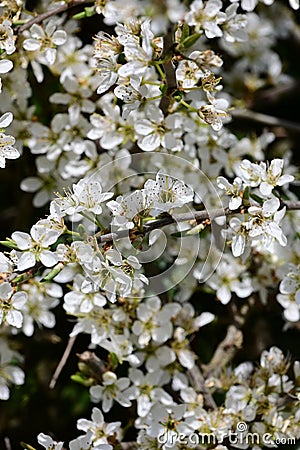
(95, 365)
(62, 362)
(171, 82)
(265, 119)
(41, 17)
(225, 351)
(199, 216)
(198, 383)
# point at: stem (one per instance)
(188, 106)
(53, 12)
(184, 217)
(62, 362)
(169, 69)
(161, 73)
(91, 219)
(225, 351)
(265, 119)
(198, 382)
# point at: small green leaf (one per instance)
(190, 40)
(257, 198)
(177, 95)
(89, 11)
(78, 378)
(114, 360)
(55, 271)
(185, 32)
(10, 244)
(27, 446)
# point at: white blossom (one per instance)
(11, 305)
(10, 373)
(45, 40)
(7, 41)
(6, 141)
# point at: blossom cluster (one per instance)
(155, 204)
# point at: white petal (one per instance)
(270, 206)
(4, 392)
(235, 203)
(19, 299)
(143, 405)
(22, 240)
(294, 4)
(186, 358)
(48, 258)
(265, 188)
(204, 319)
(26, 261)
(285, 179)
(238, 245)
(37, 31)
(5, 66)
(224, 294)
(31, 45)
(31, 184)
(5, 290)
(15, 318)
(292, 312)
(6, 119)
(50, 54)
(59, 37)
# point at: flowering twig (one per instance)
(199, 216)
(41, 17)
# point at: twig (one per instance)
(225, 351)
(171, 81)
(94, 364)
(62, 362)
(198, 382)
(196, 215)
(265, 119)
(52, 12)
(7, 443)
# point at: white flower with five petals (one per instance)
(45, 40)
(11, 305)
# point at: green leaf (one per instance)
(190, 40)
(79, 378)
(55, 271)
(27, 446)
(10, 244)
(114, 360)
(89, 11)
(185, 32)
(257, 198)
(177, 95)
